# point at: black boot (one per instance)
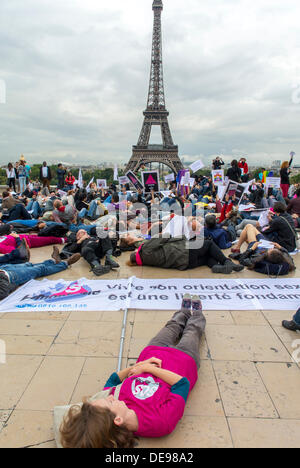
(225, 269)
(98, 269)
(109, 261)
(292, 326)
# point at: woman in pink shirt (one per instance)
(151, 395)
(8, 243)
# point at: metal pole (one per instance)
(122, 340)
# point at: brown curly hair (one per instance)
(92, 427)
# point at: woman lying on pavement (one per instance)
(181, 254)
(146, 400)
(8, 242)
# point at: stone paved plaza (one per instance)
(248, 389)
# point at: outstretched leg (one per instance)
(172, 331)
(190, 341)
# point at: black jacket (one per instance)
(49, 176)
(234, 174)
(282, 231)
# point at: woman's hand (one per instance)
(152, 360)
(141, 369)
(145, 366)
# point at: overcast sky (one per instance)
(77, 74)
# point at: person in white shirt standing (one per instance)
(11, 176)
(45, 175)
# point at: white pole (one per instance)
(122, 340)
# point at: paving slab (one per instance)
(194, 432)
(282, 382)
(242, 390)
(53, 384)
(245, 343)
(27, 428)
(265, 433)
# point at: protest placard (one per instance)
(151, 181)
(101, 183)
(196, 166)
(134, 180)
(218, 177)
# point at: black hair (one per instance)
(279, 207)
(210, 221)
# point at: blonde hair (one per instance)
(285, 165)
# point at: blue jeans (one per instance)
(21, 274)
(296, 317)
(11, 258)
(75, 228)
(91, 212)
(22, 182)
(25, 222)
(34, 209)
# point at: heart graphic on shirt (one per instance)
(143, 388)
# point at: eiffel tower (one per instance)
(156, 112)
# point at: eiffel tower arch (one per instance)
(156, 112)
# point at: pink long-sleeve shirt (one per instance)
(8, 243)
(158, 406)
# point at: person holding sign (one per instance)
(147, 399)
(285, 176)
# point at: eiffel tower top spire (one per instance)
(156, 95)
(157, 4)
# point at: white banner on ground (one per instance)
(154, 294)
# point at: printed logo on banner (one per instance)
(72, 291)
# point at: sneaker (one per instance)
(109, 261)
(74, 259)
(196, 304)
(24, 251)
(292, 326)
(186, 302)
(55, 255)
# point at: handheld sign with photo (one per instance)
(134, 180)
(151, 181)
(234, 189)
(101, 183)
